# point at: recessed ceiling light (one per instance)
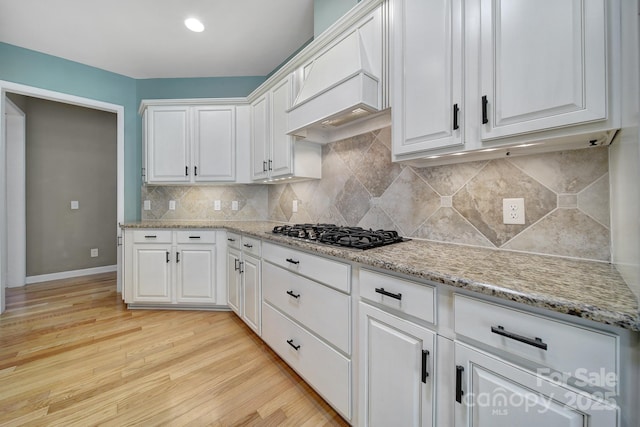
(194, 25)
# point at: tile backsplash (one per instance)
(566, 198)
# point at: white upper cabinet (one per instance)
(543, 64)
(493, 77)
(190, 144)
(214, 157)
(427, 77)
(260, 137)
(168, 144)
(281, 143)
(274, 154)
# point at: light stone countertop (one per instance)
(591, 290)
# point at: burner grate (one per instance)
(351, 237)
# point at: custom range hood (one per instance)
(340, 85)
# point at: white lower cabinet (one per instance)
(196, 273)
(397, 375)
(307, 318)
(152, 270)
(491, 392)
(172, 268)
(244, 279)
(325, 369)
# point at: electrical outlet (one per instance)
(172, 205)
(513, 211)
(147, 205)
(75, 205)
(94, 253)
(234, 205)
(294, 208)
(217, 205)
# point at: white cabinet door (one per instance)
(234, 281)
(196, 274)
(494, 393)
(252, 300)
(152, 271)
(214, 143)
(397, 375)
(543, 64)
(260, 137)
(168, 144)
(281, 162)
(427, 75)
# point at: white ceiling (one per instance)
(148, 39)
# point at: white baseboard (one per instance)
(68, 274)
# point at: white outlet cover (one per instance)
(513, 211)
(75, 204)
(147, 205)
(217, 205)
(234, 205)
(172, 205)
(294, 208)
(94, 252)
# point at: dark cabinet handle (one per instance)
(295, 347)
(241, 264)
(270, 163)
(293, 261)
(247, 245)
(485, 119)
(536, 342)
(151, 237)
(455, 116)
(425, 374)
(236, 264)
(389, 294)
(194, 237)
(293, 295)
(186, 171)
(177, 256)
(195, 170)
(264, 166)
(231, 240)
(168, 256)
(459, 392)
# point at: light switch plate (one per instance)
(147, 205)
(294, 208)
(217, 205)
(234, 205)
(172, 205)
(75, 204)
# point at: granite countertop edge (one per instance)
(382, 258)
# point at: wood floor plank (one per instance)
(71, 353)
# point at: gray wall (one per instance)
(70, 155)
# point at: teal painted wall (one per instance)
(36, 69)
(202, 87)
(326, 12)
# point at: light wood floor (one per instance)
(72, 354)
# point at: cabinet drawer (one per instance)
(152, 236)
(326, 370)
(408, 297)
(196, 236)
(251, 245)
(569, 348)
(332, 273)
(234, 240)
(325, 311)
